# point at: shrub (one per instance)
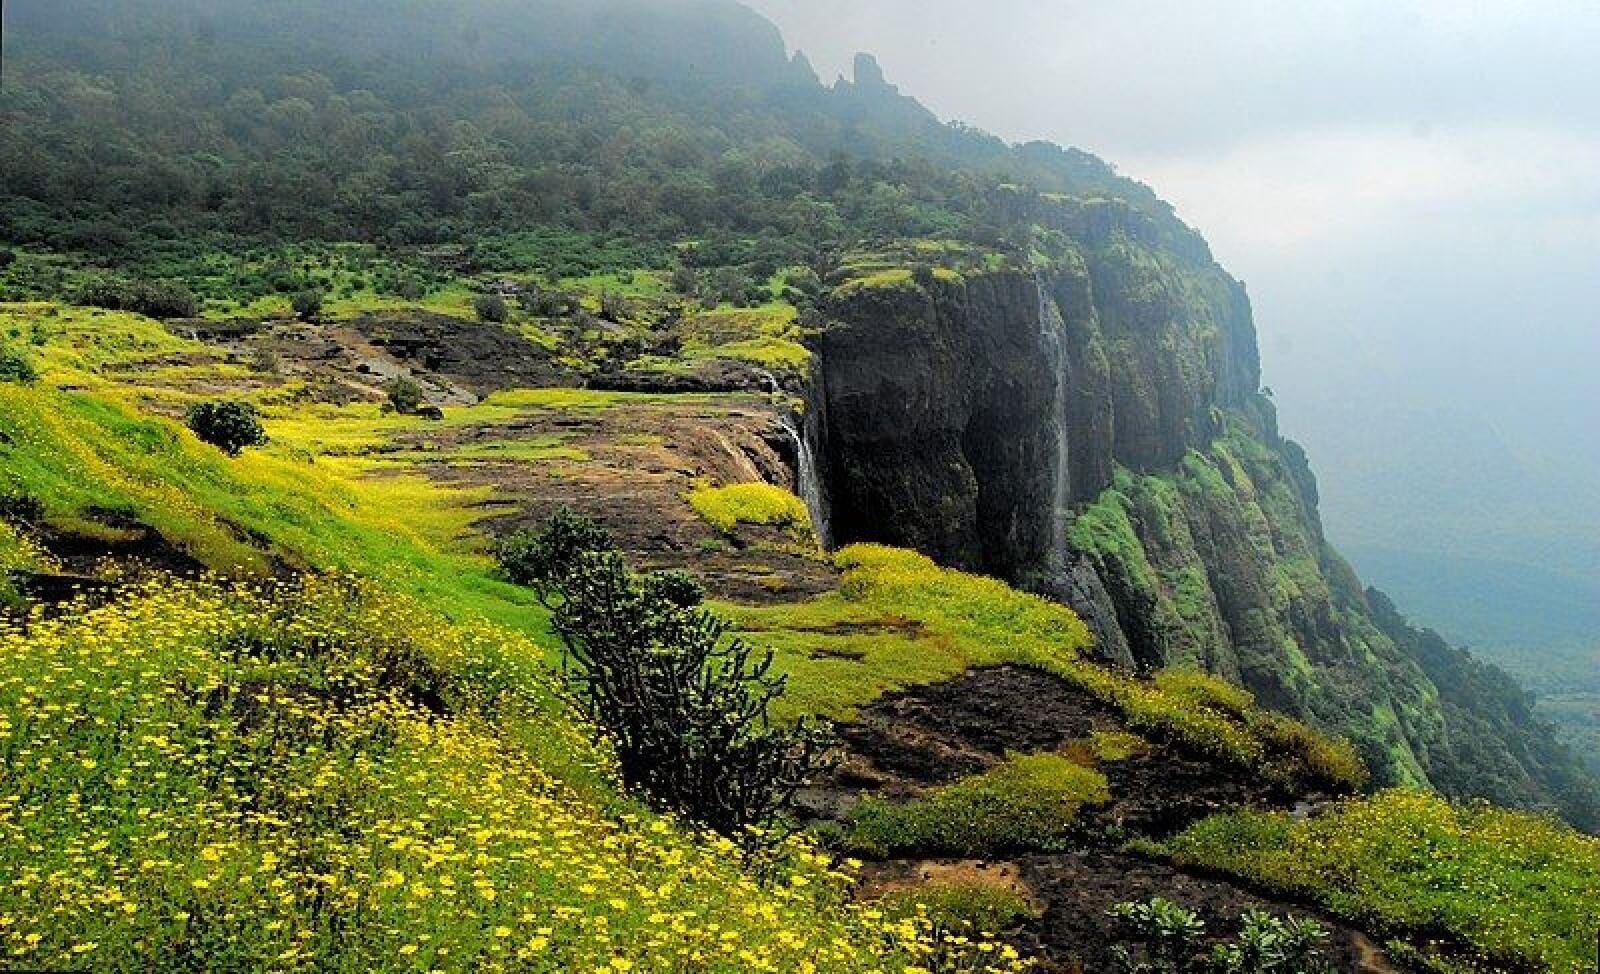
(265, 360)
(16, 366)
(161, 299)
(756, 503)
(686, 709)
(1169, 935)
(1162, 937)
(1267, 944)
(686, 281)
(960, 908)
(541, 559)
(306, 304)
(490, 307)
(1028, 802)
(230, 426)
(614, 306)
(405, 395)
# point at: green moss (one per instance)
(1104, 530)
(1028, 802)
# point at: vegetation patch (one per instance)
(960, 907)
(725, 508)
(1030, 802)
(1116, 745)
(1514, 890)
(332, 778)
(970, 620)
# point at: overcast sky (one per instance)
(1410, 190)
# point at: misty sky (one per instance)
(1410, 190)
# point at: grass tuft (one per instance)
(1030, 802)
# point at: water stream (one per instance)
(1054, 330)
(808, 476)
(809, 479)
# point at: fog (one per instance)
(1410, 190)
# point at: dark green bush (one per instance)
(161, 299)
(306, 304)
(405, 395)
(686, 708)
(540, 559)
(227, 425)
(491, 307)
(16, 366)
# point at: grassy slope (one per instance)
(1518, 892)
(897, 619)
(269, 788)
(337, 779)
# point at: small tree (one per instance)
(16, 366)
(614, 306)
(306, 304)
(490, 307)
(405, 395)
(686, 708)
(686, 281)
(227, 425)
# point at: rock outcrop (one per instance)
(1094, 430)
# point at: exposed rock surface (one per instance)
(1193, 535)
(931, 735)
(481, 356)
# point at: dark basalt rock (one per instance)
(941, 421)
(942, 397)
(717, 376)
(481, 356)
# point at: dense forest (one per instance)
(116, 154)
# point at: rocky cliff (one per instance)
(1091, 426)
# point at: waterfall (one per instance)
(808, 479)
(1053, 329)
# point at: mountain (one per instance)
(1110, 393)
(473, 263)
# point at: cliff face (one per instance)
(1094, 431)
(940, 414)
